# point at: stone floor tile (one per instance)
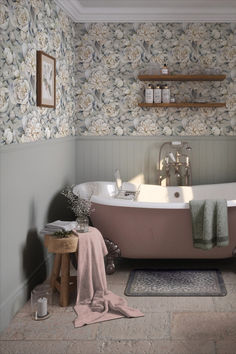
(148, 304)
(33, 347)
(226, 346)
(117, 288)
(53, 309)
(151, 326)
(15, 331)
(83, 347)
(54, 306)
(169, 304)
(228, 302)
(203, 325)
(59, 326)
(125, 346)
(182, 347)
(190, 303)
(229, 275)
(52, 328)
(88, 332)
(165, 303)
(119, 277)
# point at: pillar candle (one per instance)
(42, 306)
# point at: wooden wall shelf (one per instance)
(180, 77)
(183, 104)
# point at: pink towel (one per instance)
(94, 302)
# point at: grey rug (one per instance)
(175, 282)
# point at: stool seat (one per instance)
(60, 277)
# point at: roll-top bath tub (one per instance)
(157, 224)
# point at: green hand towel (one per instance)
(209, 223)
(222, 231)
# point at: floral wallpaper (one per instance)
(27, 26)
(97, 89)
(110, 56)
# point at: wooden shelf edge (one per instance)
(184, 104)
(180, 77)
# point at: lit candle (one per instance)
(42, 307)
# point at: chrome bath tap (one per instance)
(175, 163)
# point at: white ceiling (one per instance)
(150, 10)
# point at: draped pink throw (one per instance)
(94, 302)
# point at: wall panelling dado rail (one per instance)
(213, 158)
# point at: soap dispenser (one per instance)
(166, 94)
(149, 94)
(157, 94)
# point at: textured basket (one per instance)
(61, 245)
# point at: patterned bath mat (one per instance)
(175, 282)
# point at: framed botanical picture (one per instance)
(46, 80)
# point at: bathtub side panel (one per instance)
(156, 233)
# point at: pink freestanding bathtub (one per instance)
(157, 224)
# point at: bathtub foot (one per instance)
(113, 252)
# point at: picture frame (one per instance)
(46, 80)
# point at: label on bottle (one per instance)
(157, 95)
(166, 95)
(164, 71)
(149, 95)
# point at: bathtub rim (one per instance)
(98, 199)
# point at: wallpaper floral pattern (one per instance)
(27, 26)
(110, 56)
(97, 90)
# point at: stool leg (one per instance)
(65, 277)
(55, 270)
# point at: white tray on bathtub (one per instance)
(128, 195)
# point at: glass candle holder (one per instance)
(41, 301)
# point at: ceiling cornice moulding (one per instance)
(84, 14)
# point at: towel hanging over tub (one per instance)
(209, 223)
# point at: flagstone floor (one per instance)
(171, 325)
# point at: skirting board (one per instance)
(18, 298)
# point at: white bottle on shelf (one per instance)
(165, 94)
(157, 94)
(149, 94)
(165, 70)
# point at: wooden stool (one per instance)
(62, 247)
